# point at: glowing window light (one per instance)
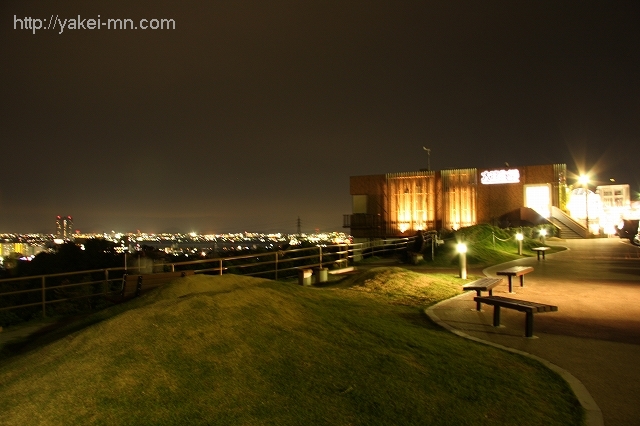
(538, 198)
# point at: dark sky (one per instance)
(251, 114)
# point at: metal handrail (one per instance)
(331, 254)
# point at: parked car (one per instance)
(628, 229)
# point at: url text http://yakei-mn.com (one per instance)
(79, 23)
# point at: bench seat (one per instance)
(541, 250)
(529, 308)
(482, 284)
(515, 271)
(136, 284)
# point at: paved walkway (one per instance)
(595, 335)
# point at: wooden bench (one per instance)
(540, 250)
(483, 284)
(135, 284)
(519, 305)
(340, 263)
(515, 271)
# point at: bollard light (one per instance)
(519, 237)
(462, 251)
(543, 234)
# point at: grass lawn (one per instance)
(487, 245)
(245, 351)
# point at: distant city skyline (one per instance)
(139, 235)
(30, 245)
(63, 224)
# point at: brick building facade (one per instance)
(400, 204)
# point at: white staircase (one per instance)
(569, 228)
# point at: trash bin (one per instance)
(305, 276)
(323, 275)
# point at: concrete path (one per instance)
(595, 335)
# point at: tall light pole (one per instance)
(428, 158)
(584, 180)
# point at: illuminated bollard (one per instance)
(462, 251)
(519, 237)
(543, 234)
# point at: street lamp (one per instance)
(584, 180)
(462, 250)
(519, 237)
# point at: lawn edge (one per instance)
(593, 414)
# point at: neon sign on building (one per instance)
(490, 177)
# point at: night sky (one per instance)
(251, 114)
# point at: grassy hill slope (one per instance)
(487, 245)
(240, 350)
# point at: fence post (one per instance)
(106, 281)
(220, 266)
(433, 246)
(276, 265)
(44, 305)
(320, 265)
(173, 267)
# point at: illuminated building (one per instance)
(7, 248)
(615, 196)
(23, 249)
(400, 204)
(64, 227)
(615, 205)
